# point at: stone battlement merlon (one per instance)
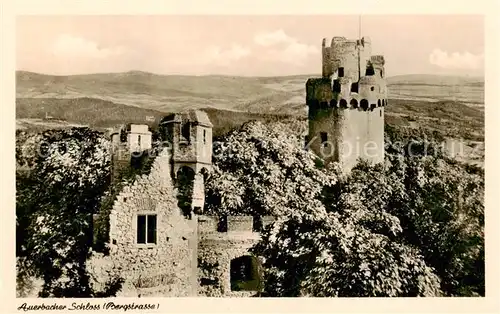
(377, 60)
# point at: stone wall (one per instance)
(167, 267)
(216, 250)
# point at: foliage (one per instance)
(262, 170)
(440, 205)
(56, 207)
(403, 228)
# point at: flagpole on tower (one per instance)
(359, 27)
(358, 48)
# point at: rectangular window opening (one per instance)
(146, 229)
(354, 88)
(341, 72)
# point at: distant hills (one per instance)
(437, 80)
(284, 95)
(104, 100)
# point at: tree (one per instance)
(70, 174)
(262, 170)
(350, 247)
(333, 237)
(440, 203)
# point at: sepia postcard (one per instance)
(319, 161)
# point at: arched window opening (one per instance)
(343, 103)
(354, 103)
(372, 88)
(184, 184)
(246, 274)
(379, 103)
(364, 104)
(373, 106)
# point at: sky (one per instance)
(243, 45)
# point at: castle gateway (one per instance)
(346, 105)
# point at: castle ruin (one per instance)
(165, 244)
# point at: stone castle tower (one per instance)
(346, 105)
(189, 137)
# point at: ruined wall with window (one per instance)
(152, 245)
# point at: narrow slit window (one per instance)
(204, 136)
(186, 131)
(146, 229)
(139, 141)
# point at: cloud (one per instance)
(72, 46)
(456, 60)
(273, 38)
(284, 48)
(219, 56)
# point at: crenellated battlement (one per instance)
(240, 223)
(377, 59)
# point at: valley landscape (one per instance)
(450, 106)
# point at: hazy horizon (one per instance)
(243, 75)
(247, 46)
